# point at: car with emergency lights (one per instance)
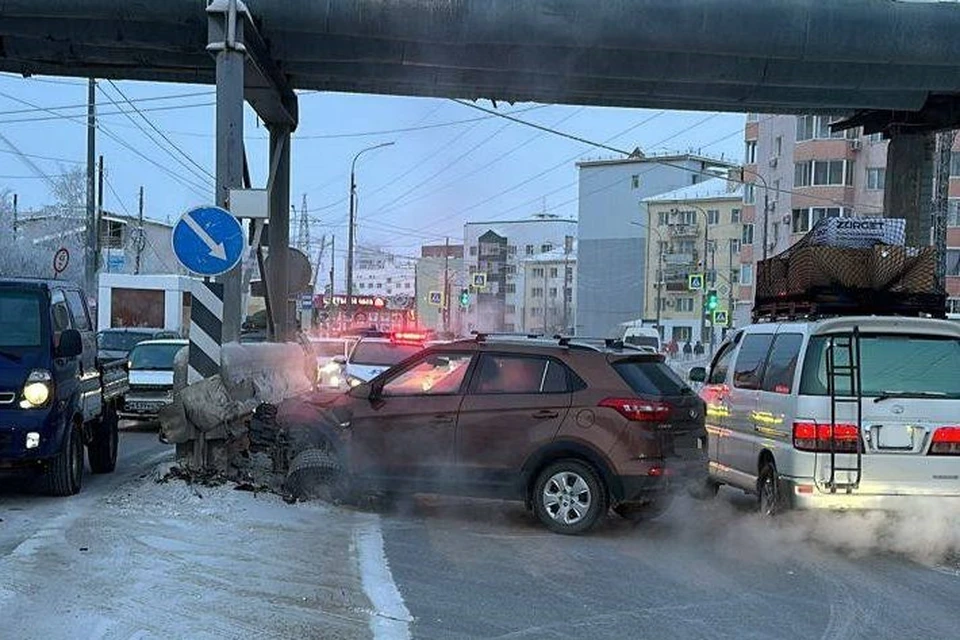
(570, 428)
(374, 353)
(849, 412)
(56, 399)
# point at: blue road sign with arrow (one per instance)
(208, 241)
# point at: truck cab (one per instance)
(54, 397)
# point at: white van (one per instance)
(889, 385)
(642, 337)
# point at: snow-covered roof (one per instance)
(712, 189)
(554, 255)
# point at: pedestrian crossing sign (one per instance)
(436, 298)
(695, 282)
(479, 281)
(720, 318)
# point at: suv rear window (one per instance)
(382, 354)
(651, 378)
(906, 364)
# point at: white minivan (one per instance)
(889, 386)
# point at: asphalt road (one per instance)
(470, 569)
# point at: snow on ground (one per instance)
(149, 560)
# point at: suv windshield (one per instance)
(154, 356)
(20, 325)
(891, 363)
(328, 349)
(651, 378)
(382, 353)
(121, 340)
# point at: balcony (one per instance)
(672, 259)
(676, 286)
(683, 230)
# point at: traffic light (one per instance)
(712, 301)
(464, 297)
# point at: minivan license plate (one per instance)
(895, 437)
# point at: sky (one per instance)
(450, 163)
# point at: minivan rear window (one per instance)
(892, 363)
(651, 378)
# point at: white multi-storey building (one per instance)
(497, 250)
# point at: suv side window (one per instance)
(79, 310)
(500, 374)
(782, 363)
(59, 312)
(434, 374)
(721, 364)
(748, 371)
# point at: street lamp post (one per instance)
(766, 208)
(352, 223)
(659, 284)
(706, 248)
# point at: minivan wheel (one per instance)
(568, 497)
(770, 500)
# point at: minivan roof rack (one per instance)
(832, 302)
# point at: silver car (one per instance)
(845, 413)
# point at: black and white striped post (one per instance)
(206, 330)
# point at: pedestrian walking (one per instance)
(698, 349)
(687, 350)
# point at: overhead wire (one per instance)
(83, 106)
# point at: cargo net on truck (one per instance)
(850, 266)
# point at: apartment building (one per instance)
(694, 230)
(496, 250)
(799, 171)
(549, 292)
(611, 245)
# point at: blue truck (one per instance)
(56, 398)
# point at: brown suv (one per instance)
(569, 427)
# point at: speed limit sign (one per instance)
(61, 260)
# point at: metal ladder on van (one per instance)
(845, 376)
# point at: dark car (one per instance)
(570, 428)
(116, 344)
(54, 397)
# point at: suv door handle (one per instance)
(545, 414)
(442, 418)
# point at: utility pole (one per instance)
(567, 246)
(15, 217)
(93, 233)
(446, 285)
(941, 203)
(140, 238)
(730, 285)
(766, 215)
(333, 272)
(713, 268)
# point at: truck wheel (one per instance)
(65, 474)
(102, 450)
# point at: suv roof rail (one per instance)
(482, 336)
(609, 343)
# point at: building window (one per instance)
(510, 288)
(747, 237)
(805, 128)
(875, 137)
(569, 274)
(536, 292)
(711, 277)
(735, 276)
(749, 194)
(810, 127)
(953, 212)
(953, 262)
(553, 293)
(406, 285)
(713, 216)
(536, 312)
(753, 117)
(805, 219)
(953, 305)
(876, 178)
(538, 272)
(546, 247)
(554, 272)
(746, 274)
(822, 173)
(635, 181)
(568, 295)
(750, 154)
(473, 251)
(662, 218)
(735, 215)
(801, 220)
(778, 146)
(685, 304)
(734, 245)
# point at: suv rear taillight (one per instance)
(810, 436)
(946, 442)
(638, 410)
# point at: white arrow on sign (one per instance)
(217, 250)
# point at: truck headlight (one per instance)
(37, 389)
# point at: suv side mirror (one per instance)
(698, 374)
(341, 360)
(71, 344)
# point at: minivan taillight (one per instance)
(946, 442)
(810, 436)
(638, 410)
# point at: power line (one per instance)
(159, 132)
(57, 116)
(14, 112)
(51, 159)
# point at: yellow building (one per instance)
(693, 230)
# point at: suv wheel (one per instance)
(568, 497)
(770, 500)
